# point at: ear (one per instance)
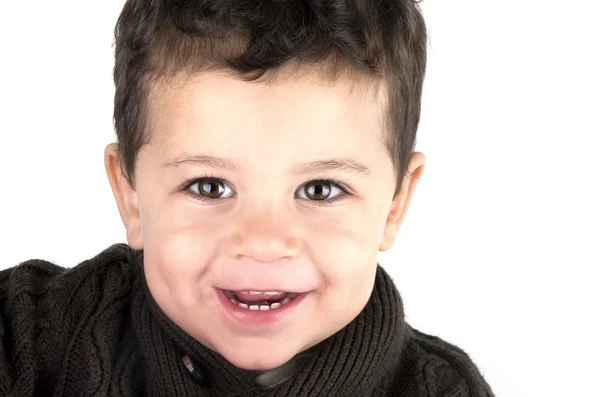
(401, 202)
(125, 195)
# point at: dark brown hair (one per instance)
(381, 41)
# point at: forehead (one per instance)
(215, 112)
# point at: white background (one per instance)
(499, 251)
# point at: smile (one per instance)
(258, 300)
(262, 307)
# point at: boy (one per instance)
(264, 157)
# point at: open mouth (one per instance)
(260, 300)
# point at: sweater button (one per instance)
(195, 371)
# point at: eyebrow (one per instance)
(203, 160)
(332, 164)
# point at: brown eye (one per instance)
(210, 188)
(317, 190)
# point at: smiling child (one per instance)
(264, 156)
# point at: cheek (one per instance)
(344, 248)
(177, 262)
(347, 290)
(183, 237)
(343, 241)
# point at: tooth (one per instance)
(272, 292)
(254, 292)
(275, 305)
(235, 301)
(243, 305)
(265, 307)
(253, 307)
(285, 301)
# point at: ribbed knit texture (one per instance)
(96, 330)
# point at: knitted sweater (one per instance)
(95, 330)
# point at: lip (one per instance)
(259, 317)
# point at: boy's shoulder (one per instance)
(46, 311)
(438, 368)
(111, 270)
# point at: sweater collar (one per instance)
(352, 362)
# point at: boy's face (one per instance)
(262, 226)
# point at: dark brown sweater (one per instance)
(95, 330)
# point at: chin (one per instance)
(257, 359)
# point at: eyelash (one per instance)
(340, 185)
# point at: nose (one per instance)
(265, 236)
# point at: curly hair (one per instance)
(376, 41)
